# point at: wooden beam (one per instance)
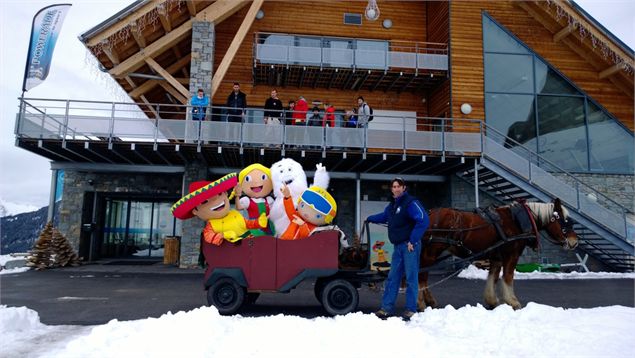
(148, 85)
(563, 33)
(164, 17)
(122, 23)
(575, 15)
(171, 90)
(234, 46)
(216, 12)
(168, 77)
(178, 54)
(130, 82)
(610, 71)
(191, 7)
(138, 35)
(145, 100)
(111, 53)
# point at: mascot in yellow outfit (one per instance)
(209, 202)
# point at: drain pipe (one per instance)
(476, 199)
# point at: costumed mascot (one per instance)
(255, 183)
(316, 207)
(290, 173)
(209, 202)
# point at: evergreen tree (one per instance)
(40, 257)
(64, 253)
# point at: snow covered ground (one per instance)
(6, 258)
(535, 331)
(474, 273)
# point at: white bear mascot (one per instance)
(288, 171)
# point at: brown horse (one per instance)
(464, 234)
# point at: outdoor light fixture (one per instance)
(387, 23)
(260, 14)
(466, 108)
(372, 11)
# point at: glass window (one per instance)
(371, 54)
(495, 39)
(508, 73)
(513, 116)
(549, 81)
(562, 133)
(611, 147)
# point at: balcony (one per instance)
(121, 133)
(345, 63)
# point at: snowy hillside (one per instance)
(20, 231)
(8, 208)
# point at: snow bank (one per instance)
(535, 331)
(474, 273)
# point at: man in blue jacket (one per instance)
(199, 105)
(407, 221)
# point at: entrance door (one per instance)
(136, 228)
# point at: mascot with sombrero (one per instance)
(209, 202)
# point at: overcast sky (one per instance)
(25, 177)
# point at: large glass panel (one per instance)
(138, 243)
(114, 228)
(611, 146)
(371, 54)
(338, 52)
(513, 116)
(549, 81)
(562, 131)
(496, 39)
(508, 73)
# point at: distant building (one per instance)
(504, 96)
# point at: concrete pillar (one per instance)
(192, 228)
(202, 57)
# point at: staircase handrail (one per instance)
(577, 181)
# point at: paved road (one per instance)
(85, 297)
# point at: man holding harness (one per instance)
(407, 221)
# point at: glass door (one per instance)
(135, 228)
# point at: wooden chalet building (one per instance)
(475, 102)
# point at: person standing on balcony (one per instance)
(288, 113)
(363, 112)
(273, 108)
(199, 105)
(236, 103)
(351, 118)
(299, 114)
(407, 221)
(329, 115)
(315, 120)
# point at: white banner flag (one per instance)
(44, 32)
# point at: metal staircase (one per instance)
(510, 173)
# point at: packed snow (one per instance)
(6, 258)
(474, 273)
(535, 331)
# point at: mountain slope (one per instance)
(19, 232)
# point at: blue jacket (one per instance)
(403, 225)
(199, 106)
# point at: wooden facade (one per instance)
(456, 23)
(466, 48)
(409, 24)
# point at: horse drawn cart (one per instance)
(236, 274)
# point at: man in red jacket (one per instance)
(299, 114)
(329, 115)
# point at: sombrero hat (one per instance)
(199, 192)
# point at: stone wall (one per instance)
(620, 188)
(77, 184)
(191, 229)
(202, 57)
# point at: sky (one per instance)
(25, 178)
(537, 330)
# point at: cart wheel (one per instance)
(226, 295)
(318, 288)
(339, 297)
(251, 298)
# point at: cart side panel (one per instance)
(319, 252)
(263, 262)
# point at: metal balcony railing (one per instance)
(65, 120)
(320, 51)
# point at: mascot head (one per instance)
(288, 171)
